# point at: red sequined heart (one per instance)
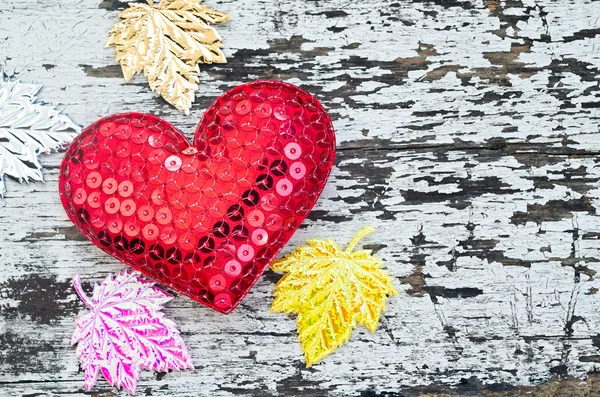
(205, 219)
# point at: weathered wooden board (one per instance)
(469, 134)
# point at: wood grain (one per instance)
(469, 135)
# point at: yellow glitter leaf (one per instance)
(331, 290)
(167, 41)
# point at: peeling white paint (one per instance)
(421, 91)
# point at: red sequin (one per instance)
(207, 218)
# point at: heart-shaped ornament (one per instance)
(205, 219)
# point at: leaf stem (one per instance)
(362, 233)
(81, 293)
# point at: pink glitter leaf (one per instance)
(125, 332)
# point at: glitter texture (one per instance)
(125, 332)
(167, 41)
(331, 290)
(27, 129)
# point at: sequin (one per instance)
(125, 189)
(218, 210)
(79, 196)
(303, 207)
(263, 110)
(158, 196)
(217, 283)
(91, 160)
(292, 151)
(107, 130)
(278, 168)
(173, 163)
(156, 140)
(93, 200)
(222, 301)
(188, 241)
(273, 222)
(168, 235)
(164, 215)
(108, 166)
(235, 212)
(249, 124)
(125, 168)
(77, 176)
(250, 197)
(245, 253)
(93, 180)
(256, 218)
(190, 165)
(183, 221)
(157, 157)
(115, 224)
(221, 229)
(132, 228)
(150, 232)
(206, 244)
(124, 149)
(240, 233)
(243, 107)
(145, 213)
(104, 238)
(297, 170)
(227, 108)
(123, 132)
(156, 252)
(97, 219)
(289, 223)
(137, 246)
(259, 237)
(112, 205)
(174, 257)
(121, 243)
(109, 186)
(269, 202)
(264, 182)
(280, 113)
(67, 190)
(140, 135)
(232, 268)
(284, 187)
(127, 207)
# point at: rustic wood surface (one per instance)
(468, 135)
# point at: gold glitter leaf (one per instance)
(167, 41)
(331, 290)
